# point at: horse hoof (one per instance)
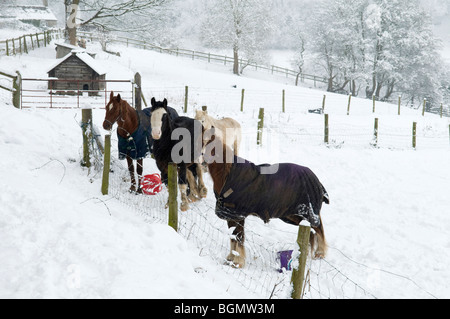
(319, 255)
(184, 207)
(204, 192)
(192, 199)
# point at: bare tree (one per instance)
(111, 15)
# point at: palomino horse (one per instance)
(289, 192)
(134, 134)
(227, 129)
(178, 140)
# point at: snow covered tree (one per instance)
(112, 15)
(242, 25)
(385, 46)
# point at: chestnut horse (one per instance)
(134, 134)
(289, 192)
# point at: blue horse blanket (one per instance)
(139, 144)
(289, 192)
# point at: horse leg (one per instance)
(193, 193)
(203, 191)
(182, 184)
(237, 249)
(319, 238)
(140, 171)
(131, 170)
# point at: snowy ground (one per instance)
(387, 225)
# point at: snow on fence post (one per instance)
(349, 103)
(17, 86)
(173, 194)
(260, 126)
(414, 135)
(327, 130)
(86, 126)
(137, 91)
(242, 100)
(375, 133)
(186, 98)
(298, 273)
(106, 165)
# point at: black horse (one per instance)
(178, 140)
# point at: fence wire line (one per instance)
(211, 236)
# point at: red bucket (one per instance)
(151, 184)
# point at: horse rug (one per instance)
(290, 190)
(139, 144)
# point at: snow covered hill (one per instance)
(387, 225)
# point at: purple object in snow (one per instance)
(285, 258)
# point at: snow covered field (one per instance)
(387, 225)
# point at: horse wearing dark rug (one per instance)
(178, 140)
(134, 135)
(289, 192)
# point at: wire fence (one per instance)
(325, 279)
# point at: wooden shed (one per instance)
(76, 72)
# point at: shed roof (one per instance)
(29, 12)
(84, 57)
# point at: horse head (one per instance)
(113, 111)
(159, 110)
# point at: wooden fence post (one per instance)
(17, 86)
(7, 48)
(137, 91)
(424, 106)
(327, 129)
(323, 103)
(86, 125)
(414, 135)
(186, 99)
(173, 194)
(260, 126)
(242, 100)
(25, 48)
(284, 101)
(106, 165)
(349, 103)
(399, 104)
(442, 110)
(374, 103)
(298, 274)
(375, 133)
